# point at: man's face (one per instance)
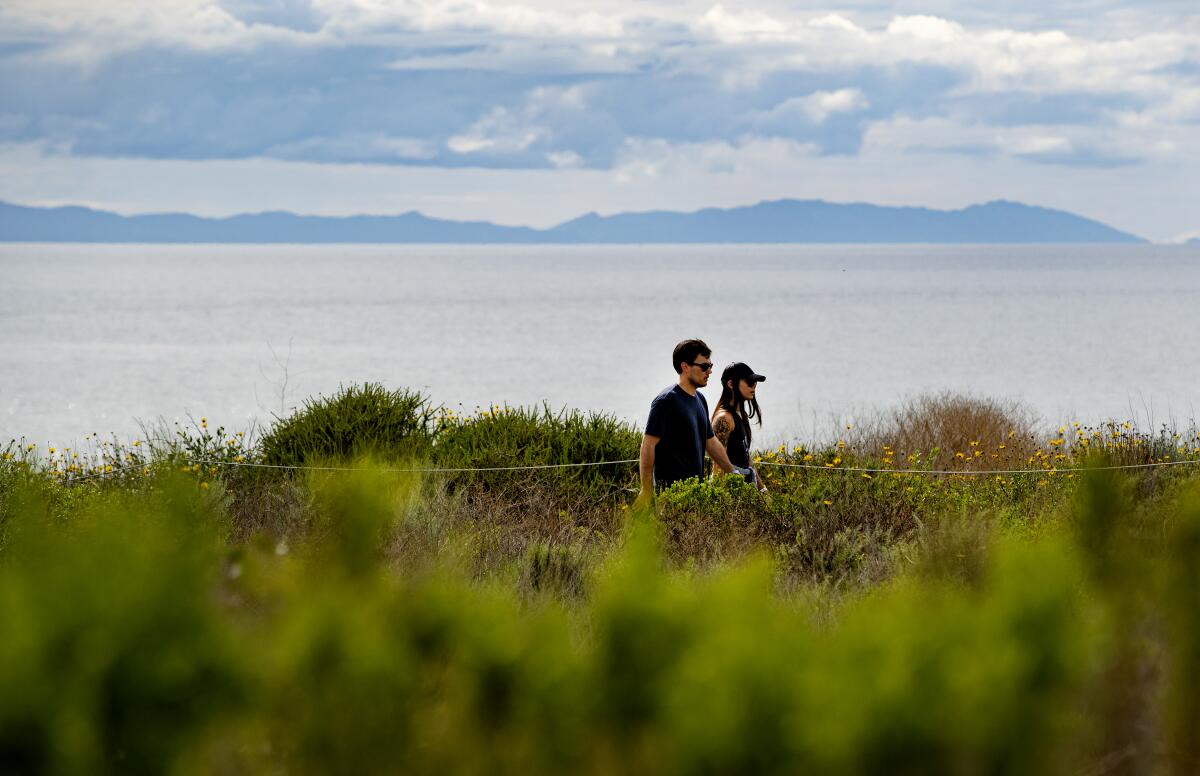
(699, 370)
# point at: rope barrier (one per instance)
(426, 470)
(546, 466)
(417, 470)
(990, 472)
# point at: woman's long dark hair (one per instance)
(731, 400)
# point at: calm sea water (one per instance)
(96, 338)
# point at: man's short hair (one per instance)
(687, 351)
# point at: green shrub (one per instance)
(712, 520)
(821, 525)
(521, 436)
(113, 659)
(358, 421)
(1183, 668)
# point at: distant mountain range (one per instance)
(781, 221)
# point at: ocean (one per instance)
(106, 338)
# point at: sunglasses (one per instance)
(707, 366)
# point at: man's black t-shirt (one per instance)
(681, 423)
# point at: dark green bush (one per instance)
(358, 421)
(520, 436)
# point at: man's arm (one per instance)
(646, 470)
(716, 451)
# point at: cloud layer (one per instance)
(538, 85)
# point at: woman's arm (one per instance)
(722, 426)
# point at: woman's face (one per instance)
(746, 389)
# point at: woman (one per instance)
(732, 415)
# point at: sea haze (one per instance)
(94, 338)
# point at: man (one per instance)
(678, 431)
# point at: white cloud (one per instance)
(819, 106)
(565, 160)
(640, 160)
(505, 131)
(499, 131)
(85, 33)
(927, 29)
(1036, 144)
(741, 26)
(1110, 143)
(350, 17)
(741, 44)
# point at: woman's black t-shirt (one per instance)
(737, 445)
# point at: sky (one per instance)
(535, 112)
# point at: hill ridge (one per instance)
(770, 221)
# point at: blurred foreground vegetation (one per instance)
(164, 610)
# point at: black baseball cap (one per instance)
(740, 371)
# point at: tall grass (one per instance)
(139, 638)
